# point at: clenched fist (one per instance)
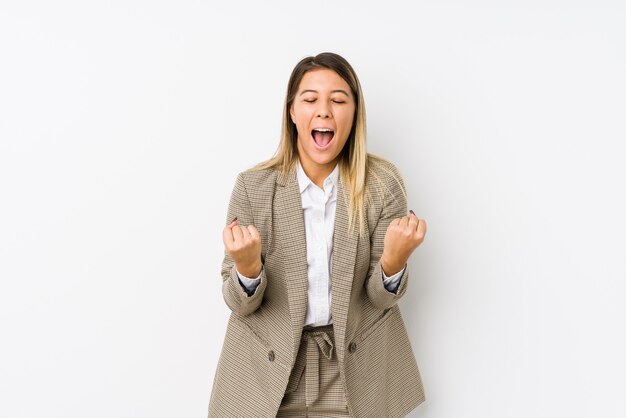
(402, 237)
(243, 245)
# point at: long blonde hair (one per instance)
(353, 159)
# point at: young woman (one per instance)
(317, 241)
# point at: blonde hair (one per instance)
(353, 159)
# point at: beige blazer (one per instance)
(376, 361)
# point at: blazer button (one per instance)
(352, 347)
(270, 355)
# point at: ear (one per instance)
(293, 116)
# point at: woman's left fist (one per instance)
(402, 237)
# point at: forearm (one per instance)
(237, 297)
(377, 292)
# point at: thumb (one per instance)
(253, 231)
(413, 220)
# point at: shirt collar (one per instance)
(304, 181)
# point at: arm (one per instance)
(234, 293)
(394, 206)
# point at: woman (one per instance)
(316, 248)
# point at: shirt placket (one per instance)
(319, 220)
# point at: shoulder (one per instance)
(258, 177)
(383, 177)
(256, 183)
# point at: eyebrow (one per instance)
(333, 91)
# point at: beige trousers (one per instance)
(314, 388)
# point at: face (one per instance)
(323, 111)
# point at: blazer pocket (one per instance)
(369, 347)
(248, 329)
(376, 324)
(261, 351)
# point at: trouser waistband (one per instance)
(325, 328)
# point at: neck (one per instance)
(318, 172)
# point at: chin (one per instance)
(324, 159)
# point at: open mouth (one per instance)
(322, 137)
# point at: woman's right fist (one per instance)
(243, 245)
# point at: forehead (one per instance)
(323, 80)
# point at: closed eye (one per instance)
(334, 101)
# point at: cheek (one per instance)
(303, 134)
(346, 123)
(301, 120)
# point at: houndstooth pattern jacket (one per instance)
(377, 365)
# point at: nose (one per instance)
(323, 110)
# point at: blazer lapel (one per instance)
(343, 258)
(292, 239)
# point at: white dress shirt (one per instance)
(319, 207)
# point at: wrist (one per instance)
(250, 270)
(391, 266)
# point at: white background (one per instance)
(123, 125)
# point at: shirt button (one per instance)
(352, 347)
(270, 355)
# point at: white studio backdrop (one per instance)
(123, 125)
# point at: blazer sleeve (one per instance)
(234, 293)
(394, 206)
